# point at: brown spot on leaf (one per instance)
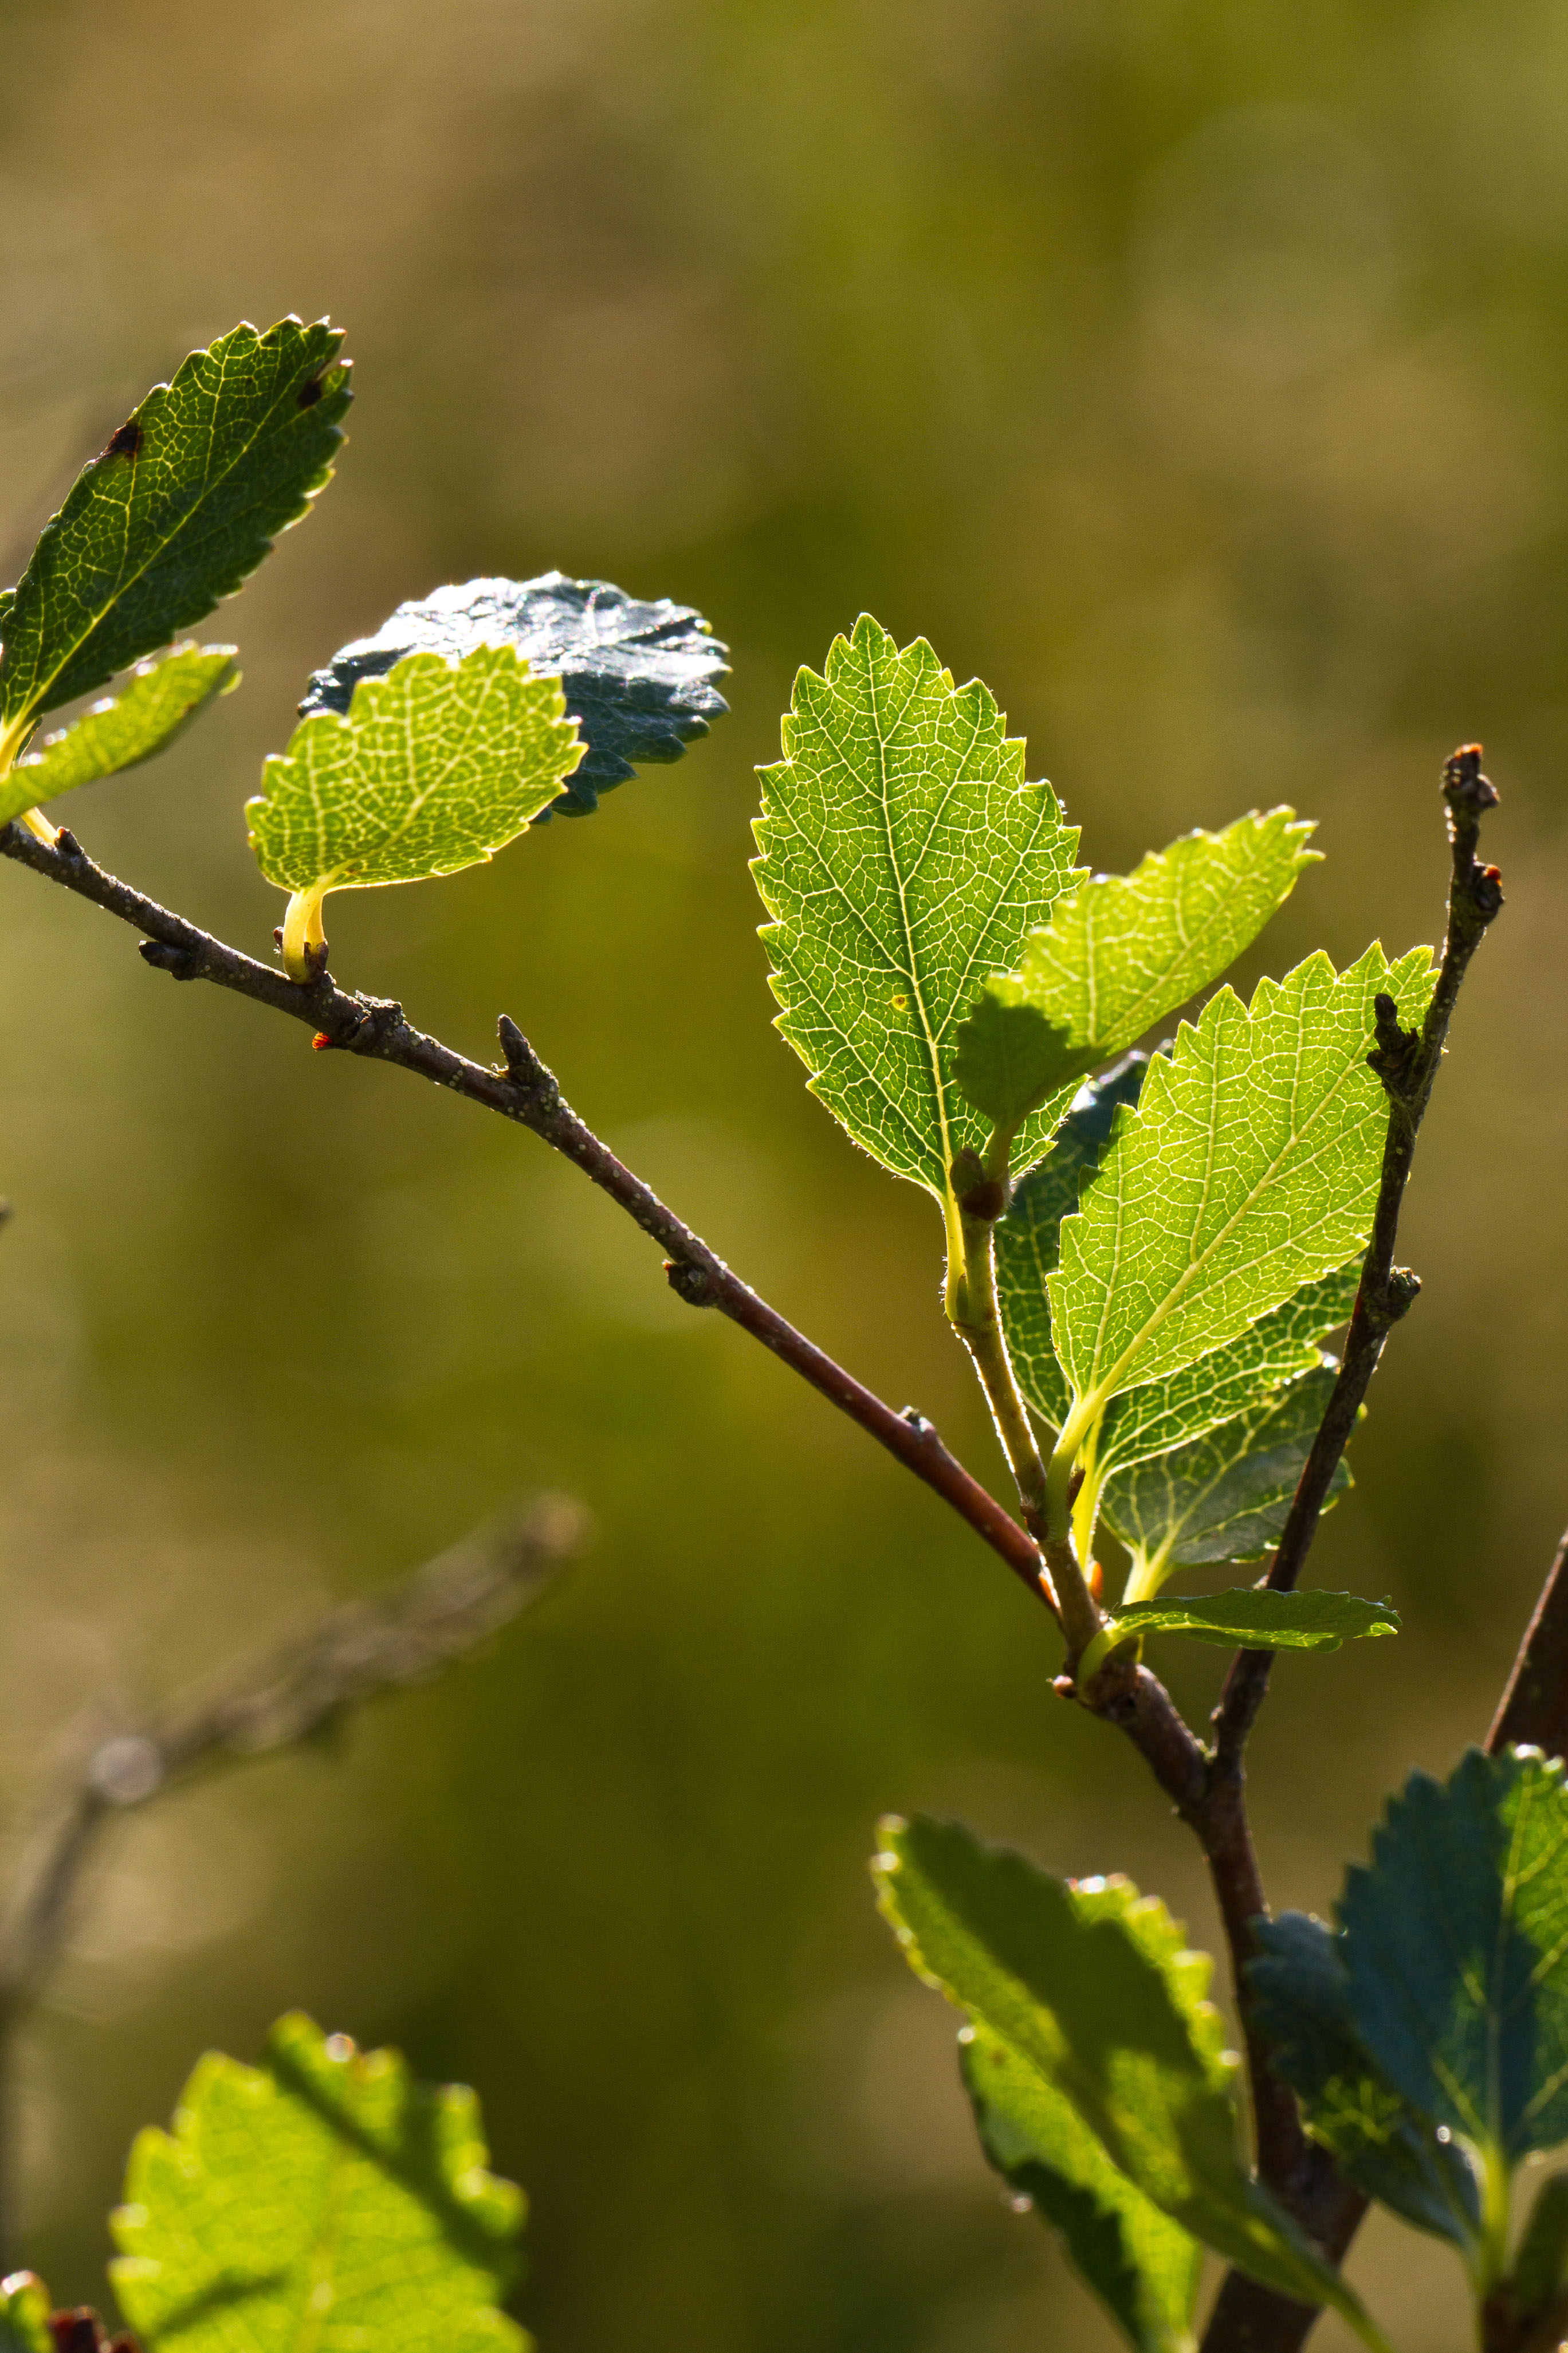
(311, 393)
(126, 442)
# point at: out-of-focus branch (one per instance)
(355, 1654)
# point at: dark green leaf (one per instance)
(1456, 1948)
(1301, 1999)
(1092, 1986)
(176, 512)
(161, 700)
(1226, 1495)
(1028, 1236)
(638, 677)
(1144, 2268)
(322, 2198)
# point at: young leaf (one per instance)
(1122, 951)
(176, 512)
(638, 677)
(161, 700)
(24, 2308)
(1254, 1617)
(1144, 2268)
(1091, 1988)
(1028, 1236)
(902, 857)
(1301, 2007)
(323, 2197)
(437, 766)
(1456, 1947)
(1249, 1167)
(1225, 1496)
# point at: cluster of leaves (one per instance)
(323, 2197)
(421, 751)
(1183, 1236)
(1427, 2035)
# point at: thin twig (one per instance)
(1407, 1062)
(355, 1654)
(526, 1092)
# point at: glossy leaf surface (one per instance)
(904, 856)
(437, 766)
(176, 512)
(1261, 1620)
(1143, 2267)
(159, 702)
(1249, 1167)
(639, 677)
(323, 2198)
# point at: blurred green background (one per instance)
(1195, 372)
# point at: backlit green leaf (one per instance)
(1122, 951)
(437, 766)
(638, 678)
(1092, 1987)
(1249, 1167)
(903, 857)
(1144, 2268)
(1456, 1946)
(1151, 1420)
(24, 2308)
(1226, 1495)
(324, 2198)
(1301, 2007)
(1259, 1619)
(176, 512)
(161, 700)
(1008, 1058)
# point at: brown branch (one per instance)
(1407, 1062)
(524, 1091)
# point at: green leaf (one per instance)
(175, 514)
(1008, 1058)
(1161, 1415)
(1225, 1496)
(322, 2198)
(1249, 1167)
(1028, 1236)
(638, 678)
(1122, 951)
(903, 857)
(1301, 2007)
(161, 700)
(1092, 1988)
(24, 2308)
(1541, 2268)
(437, 766)
(1144, 2268)
(1253, 1616)
(1456, 1946)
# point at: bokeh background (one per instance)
(1197, 373)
